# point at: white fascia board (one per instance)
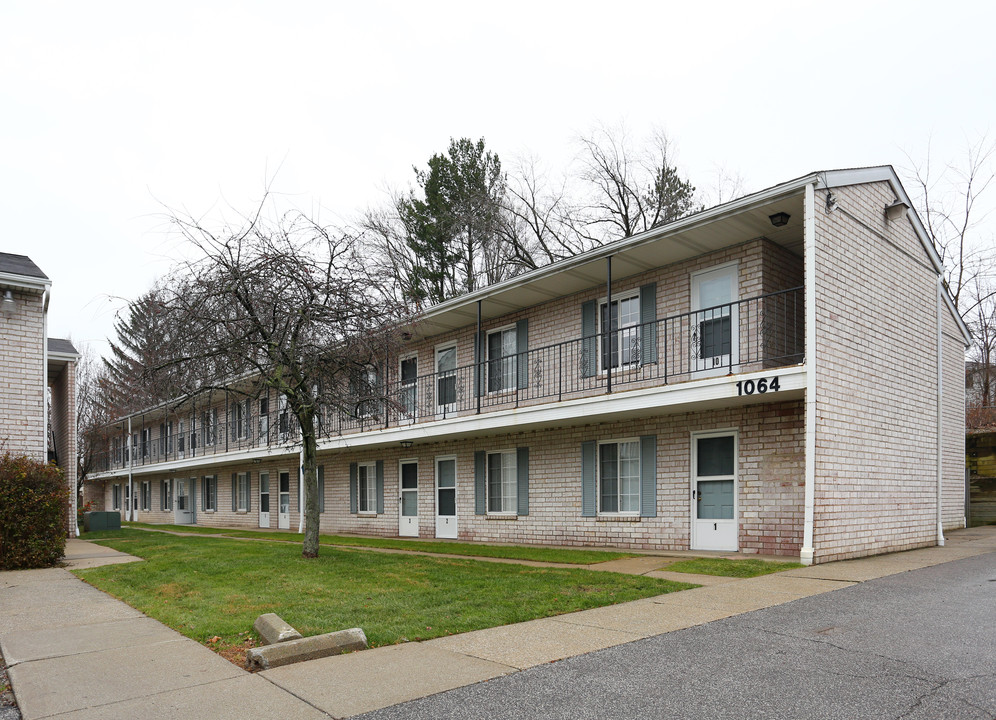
(223, 458)
(25, 282)
(719, 392)
(63, 357)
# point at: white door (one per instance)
(715, 320)
(264, 500)
(283, 515)
(408, 395)
(446, 380)
(714, 492)
(408, 501)
(446, 516)
(183, 502)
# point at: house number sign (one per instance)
(761, 386)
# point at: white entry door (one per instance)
(408, 501)
(446, 516)
(714, 492)
(715, 322)
(446, 380)
(183, 513)
(264, 500)
(283, 514)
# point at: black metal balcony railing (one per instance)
(752, 334)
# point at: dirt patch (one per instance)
(6, 695)
(234, 651)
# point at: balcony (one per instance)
(749, 335)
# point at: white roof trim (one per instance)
(25, 281)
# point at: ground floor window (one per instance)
(146, 495)
(167, 495)
(619, 476)
(367, 486)
(209, 492)
(242, 492)
(502, 482)
(115, 497)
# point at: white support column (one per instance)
(809, 258)
(940, 411)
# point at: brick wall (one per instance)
(22, 378)
(770, 469)
(876, 365)
(64, 427)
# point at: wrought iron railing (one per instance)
(753, 334)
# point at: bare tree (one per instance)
(288, 302)
(93, 411)
(628, 190)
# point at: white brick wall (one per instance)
(22, 379)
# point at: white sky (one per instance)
(109, 111)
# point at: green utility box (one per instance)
(101, 521)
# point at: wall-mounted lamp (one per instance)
(779, 219)
(406, 444)
(7, 305)
(896, 210)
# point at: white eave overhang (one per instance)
(24, 282)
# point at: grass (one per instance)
(213, 591)
(731, 568)
(512, 552)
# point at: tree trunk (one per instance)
(309, 469)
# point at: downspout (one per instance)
(940, 407)
(809, 255)
(608, 339)
(45, 298)
(479, 369)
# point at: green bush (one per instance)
(34, 505)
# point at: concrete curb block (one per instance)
(274, 630)
(309, 648)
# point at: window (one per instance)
(166, 492)
(502, 360)
(179, 438)
(115, 497)
(240, 422)
(147, 495)
(409, 385)
(209, 493)
(619, 476)
(146, 441)
(502, 482)
(367, 487)
(264, 418)
(242, 492)
(366, 387)
(283, 417)
(619, 324)
(209, 426)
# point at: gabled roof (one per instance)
(58, 346)
(19, 271)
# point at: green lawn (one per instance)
(207, 588)
(731, 568)
(513, 552)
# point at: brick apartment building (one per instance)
(30, 363)
(782, 374)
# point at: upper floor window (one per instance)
(619, 326)
(209, 426)
(502, 359)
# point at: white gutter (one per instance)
(940, 408)
(809, 258)
(44, 455)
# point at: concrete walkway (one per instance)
(75, 652)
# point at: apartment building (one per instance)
(782, 374)
(30, 363)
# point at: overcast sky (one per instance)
(111, 111)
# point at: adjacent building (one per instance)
(782, 374)
(37, 374)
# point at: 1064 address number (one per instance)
(761, 386)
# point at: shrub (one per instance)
(34, 505)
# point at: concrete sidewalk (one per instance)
(75, 652)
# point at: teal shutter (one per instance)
(162, 495)
(353, 482)
(648, 476)
(588, 360)
(380, 487)
(588, 479)
(522, 348)
(235, 490)
(480, 482)
(249, 491)
(522, 473)
(321, 488)
(648, 323)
